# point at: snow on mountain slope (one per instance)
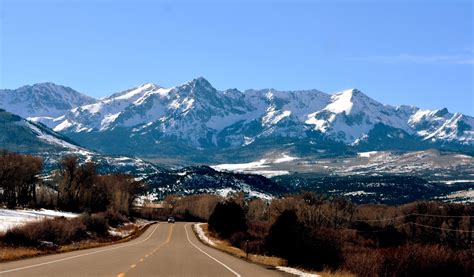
(19, 134)
(49, 137)
(197, 115)
(46, 100)
(458, 128)
(427, 122)
(351, 114)
(102, 114)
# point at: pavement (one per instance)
(162, 250)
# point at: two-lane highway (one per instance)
(163, 250)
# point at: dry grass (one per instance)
(334, 274)
(18, 253)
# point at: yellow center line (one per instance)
(170, 233)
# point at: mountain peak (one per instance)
(201, 82)
(353, 92)
(134, 92)
(149, 85)
(441, 112)
(42, 99)
(40, 86)
(46, 84)
(200, 86)
(344, 101)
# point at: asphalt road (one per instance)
(163, 250)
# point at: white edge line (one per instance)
(221, 263)
(78, 256)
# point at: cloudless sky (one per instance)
(397, 52)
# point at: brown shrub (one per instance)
(57, 230)
(410, 260)
(258, 229)
(96, 223)
(114, 218)
(238, 239)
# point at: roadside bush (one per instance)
(57, 230)
(238, 239)
(227, 219)
(285, 236)
(311, 248)
(387, 236)
(113, 218)
(410, 260)
(256, 246)
(322, 250)
(96, 223)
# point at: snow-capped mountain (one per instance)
(152, 120)
(350, 115)
(24, 136)
(42, 102)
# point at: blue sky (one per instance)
(398, 52)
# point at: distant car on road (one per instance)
(171, 219)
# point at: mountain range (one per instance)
(23, 136)
(294, 138)
(196, 122)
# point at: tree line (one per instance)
(318, 232)
(73, 187)
(18, 179)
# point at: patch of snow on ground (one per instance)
(366, 154)
(225, 192)
(285, 158)
(458, 181)
(462, 196)
(120, 233)
(267, 173)
(296, 272)
(358, 193)
(13, 218)
(243, 166)
(251, 168)
(145, 199)
(202, 235)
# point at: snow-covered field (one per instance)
(262, 167)
(12, 218)
(366, 154)
(450, 182)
